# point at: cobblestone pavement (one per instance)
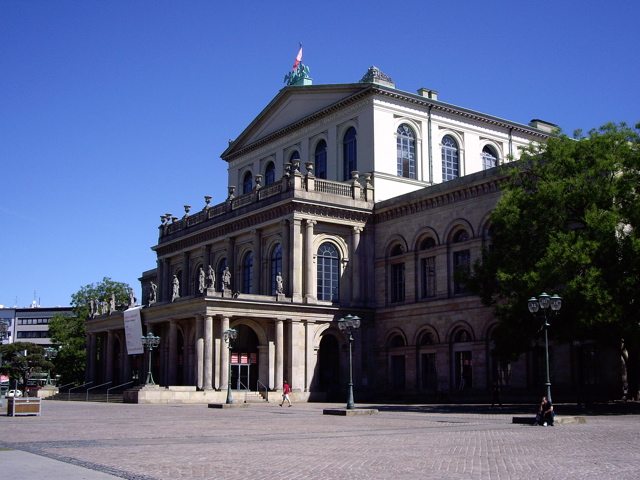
(265, 441)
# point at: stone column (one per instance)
(199, 352)
(208, 352)
(295, 259)
(309, 355)
(165, 288)
(108, 367)
(355, 264)
(90, 358)
(257, 262)
(217, 339)
(159, 281)
(231, 261)
(224, 357)
(185, 280)
(310, 284)
(173, 352)
(279, 354)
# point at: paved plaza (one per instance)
(93, 441)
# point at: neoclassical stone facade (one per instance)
(343, 199)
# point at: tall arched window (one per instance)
(350, 152)
(270, 174)
(247, 183)
(247, 273)
(489, 158)
(406, 152)
(276, 266)
(397, 285)
(328, 273)
(450, 163)
(321, 159)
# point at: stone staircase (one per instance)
(93, 397)
(254, 397)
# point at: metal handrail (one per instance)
(117, 386)
(266, 390)
(63, 386)
(79, 386)
(246, 390)
(97, 386)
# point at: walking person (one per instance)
(286, 391)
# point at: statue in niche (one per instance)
(176, 288)
(153, 293)
(132, 298)
(279, 284)
(226, 278)
(211, 277)
(201, 279)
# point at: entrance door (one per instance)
(240, 375)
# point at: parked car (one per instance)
(14, 393)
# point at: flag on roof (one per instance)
(298, 58)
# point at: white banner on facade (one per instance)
(133, 330)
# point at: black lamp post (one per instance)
(543, 302)
(150, 342)
(349, 326)
(229, 337)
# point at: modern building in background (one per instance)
(349, 199)
(30, 324)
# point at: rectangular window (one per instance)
(429, 277)
(464, 370)
(429, 376)
(397, 282)
(461, 265)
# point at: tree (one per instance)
(69, 332)
(568, 223)
(20, 360)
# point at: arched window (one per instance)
(396, 342)
(427, 269)
(489, 158)
(270, 174)
(294, 158)
(247, 183)
(460, 236)
(276, 266)
(463, 360)
(349, 152)
(397, 285)
(321, 159)
(449, 159)
(328, 273)
(427, 339)
(221, 266)
(247, 273)
(406, 152)
(427, 243)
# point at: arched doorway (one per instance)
(329, 364)
(244, 360)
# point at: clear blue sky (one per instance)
(113, 113)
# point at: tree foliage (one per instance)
(69, 332)
(568, 223)
(20, 360)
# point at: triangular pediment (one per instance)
(290, 106)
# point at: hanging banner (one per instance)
(133, 330)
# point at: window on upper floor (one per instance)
(406, 152)
(489, 158)
(450, 162)
(247, 273)
(349, 152)
(321, 159)
(328, 272)
(276, 267)
(461, 262)
(428, 270)
(247, 183)
(270, 174)
(397, 280)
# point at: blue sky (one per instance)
(113, 113)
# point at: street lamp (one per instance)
(50, 353)
(543, 302)
(150, 342)
(229, 337)
(349, 326)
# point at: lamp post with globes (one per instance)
(543, 302)
(229, 337)
(349, 326)
(150, 341)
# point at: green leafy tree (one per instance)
(69, 332)
(20, 360)
(568, 223)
